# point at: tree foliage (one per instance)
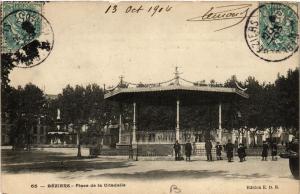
(24, 110)
(269, 106)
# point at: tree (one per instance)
(85, 106)
(270, 115)
(25, 55)
(6, 67)
(25, 108)
(287, 90)
(72, 109)
(252, 108)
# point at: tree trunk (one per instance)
(28, 142)
(78, 145)
(253, 136)
(27, 137)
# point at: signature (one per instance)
(228, 12)
(174, 189)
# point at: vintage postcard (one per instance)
(164, 97)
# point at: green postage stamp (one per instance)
(271, 31)
(22, 23)
(27, 35)
(278, 27)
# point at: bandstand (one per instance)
(170, 93)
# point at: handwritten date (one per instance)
(152, 10)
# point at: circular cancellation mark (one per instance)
(271, 32)
(28, 38)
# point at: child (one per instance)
(219, 151)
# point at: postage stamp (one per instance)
(17, 37)
(271, 32)
(27, 35)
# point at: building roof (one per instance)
(167, 94)
(176, 88)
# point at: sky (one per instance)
(93, 47)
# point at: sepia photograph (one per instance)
(166, 97)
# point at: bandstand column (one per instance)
(120, 128)
(134, 124)
(220, 123)
(177, 119)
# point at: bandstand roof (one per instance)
(164, 95)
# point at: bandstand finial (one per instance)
(176, 76)
(121, 79)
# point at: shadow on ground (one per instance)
(41, 161)
(69, 166)
(51, 162)
(182, 174)
(14, 157)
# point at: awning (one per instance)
(169, 94)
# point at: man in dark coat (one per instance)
(229, 150)
(274, 151)
(219, 151)
(188, 150)
(208, 147)
(177, 149)
(240, 152)
(244, 152)
(264, 153)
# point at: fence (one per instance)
(160, 137)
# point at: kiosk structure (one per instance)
(170, 93)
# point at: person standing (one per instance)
(244, 152)
(177, 149)
(240, 152)
(208, 147)
(229, 150)
(219, 151)
(264, 152)
(274, 151)
(188, 150)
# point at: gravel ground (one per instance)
(42, 168)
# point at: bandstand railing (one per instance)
(159, 136)
(166, 136)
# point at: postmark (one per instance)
(271, 32)
(28, 37)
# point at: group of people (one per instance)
(188, 151)
(228, 148)
(265, 150)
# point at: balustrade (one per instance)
(160, 137)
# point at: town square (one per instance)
(149, 97)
